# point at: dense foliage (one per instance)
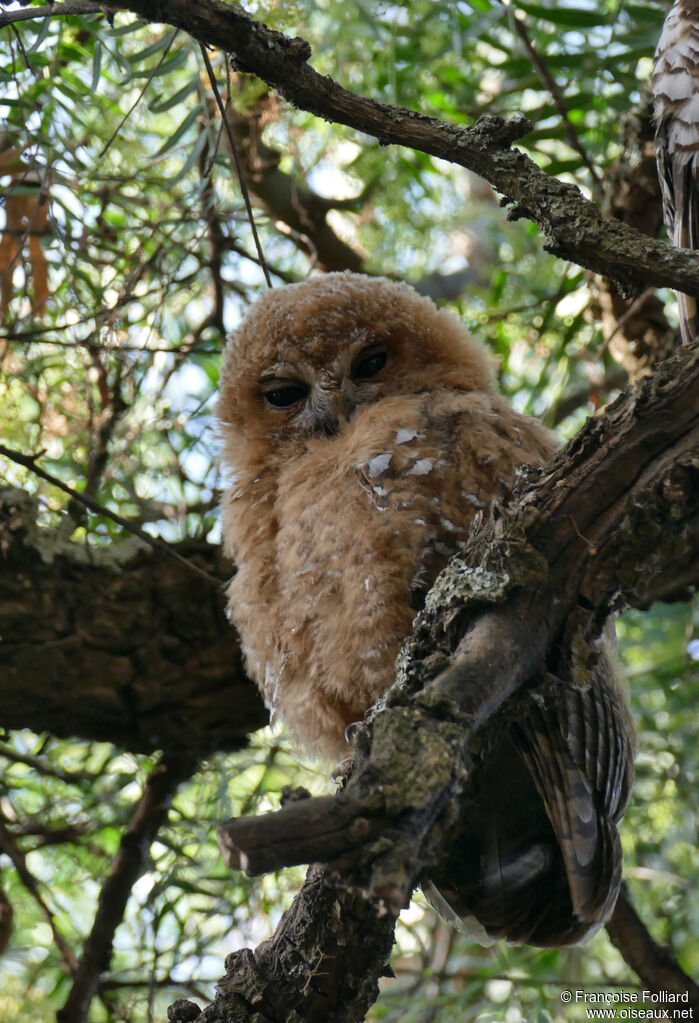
(112, 328)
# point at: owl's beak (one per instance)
(345, 407)
(332, 411)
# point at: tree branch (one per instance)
(160, 677)
(129, 864)
(574, 227)
(656, 967)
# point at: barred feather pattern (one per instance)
(545, 871)
(675, 92)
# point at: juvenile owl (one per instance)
(363, 431)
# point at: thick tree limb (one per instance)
(319, 966)
(574, 227)
(105, 645)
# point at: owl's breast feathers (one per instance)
(363, 523)
(675, 91)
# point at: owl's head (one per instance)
(308, 355)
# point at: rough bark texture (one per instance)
(612, 521)
(98, 649)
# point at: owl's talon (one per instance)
(341, 771)
(352, 730)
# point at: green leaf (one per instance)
(184, 127)
(159, 105)
(567, 17)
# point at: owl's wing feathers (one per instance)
(551, 879)
(539, 859)
(575, 743)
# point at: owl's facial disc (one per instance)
(328, 395)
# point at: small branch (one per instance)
(129, 864)
(115, 134)
(41, 767)
(321, 829)
(50, 11)
(657, 968)
(559, 102)
(29, 462)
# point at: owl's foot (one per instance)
(341, 772)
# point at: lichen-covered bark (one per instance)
(322, 964)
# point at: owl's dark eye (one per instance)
(369, 365)
(285, 395)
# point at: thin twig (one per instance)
(8, 845)
(238, 167)
(625, 316)
(138, 99)
(29, 462)
(558, 101)
(40, 767)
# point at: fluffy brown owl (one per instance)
(363, 432)
(675, 90)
